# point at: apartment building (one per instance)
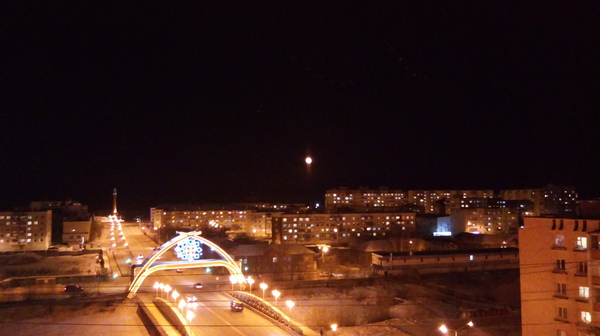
(364, 199)
(485, 221)
(550, 200)
(341, 227)
(431, 201)
(235, 220)
(25, 230)
(560, 276)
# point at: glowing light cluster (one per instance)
(188, 249)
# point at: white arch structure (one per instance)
(148, 268)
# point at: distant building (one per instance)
(560, 276)
(61, 211)
(25, 230)
(364, 199)
(550, 200)
(279, 261)
(338, 228)
(485, 221)
(77, 232)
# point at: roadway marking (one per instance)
(222, 319)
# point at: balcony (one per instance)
(580, 249)
(559, 247)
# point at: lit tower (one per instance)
(115, 201)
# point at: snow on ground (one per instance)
(90, 321)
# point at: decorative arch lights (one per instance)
(188, 248)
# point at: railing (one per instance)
(269, 311)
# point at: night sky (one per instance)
(192, 102)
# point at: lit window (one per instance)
(584, 292)
(586, 317)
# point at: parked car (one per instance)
(191, 298)
(198, 285)
(73, 289)
(237, 306)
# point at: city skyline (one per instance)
(201, 103)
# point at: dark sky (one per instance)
(179, 102)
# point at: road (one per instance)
(213, 314)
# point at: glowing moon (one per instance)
(308, 160)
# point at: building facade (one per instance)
(25, 230)
(550, 200)
(485, 221)
(560, 276)
(341, 227)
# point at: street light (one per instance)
(264, 286)
(233, 280)
(167, 290)
(276, 294)
(156, 286)
(175, 295)
(250, 282)
(334, 328)
(445, 329)
(290, 305)
(162, 289)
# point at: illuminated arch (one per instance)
(148, 268)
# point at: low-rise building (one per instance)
(76, 232)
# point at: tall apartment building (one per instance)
(235, 220)
(363, 198)
(485, 221)
(431, 201)
(341, 227)
(25, 230)
(550, 200)
(560, 276)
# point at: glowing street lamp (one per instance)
(276, 294)
(264, 286)
(181, 305)
(445, 329)
(290, 304)
(167, 290)
(250, 281)
(233, 280)
(156, 286)
(334, 327)
(175, 295)
(162, 289)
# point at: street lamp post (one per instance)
(445, 329)
(334, 328)
(250, 282)
(156, 286)
(167, 290)
(175, 295)
(276, 294)
(264, 286)
(233, 280)
(290, 305)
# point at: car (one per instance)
(325, 274)
(237, 306)
(73, 289)
(198, 285)
(179, 270)
(191, 298)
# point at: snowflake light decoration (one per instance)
(188, 250)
